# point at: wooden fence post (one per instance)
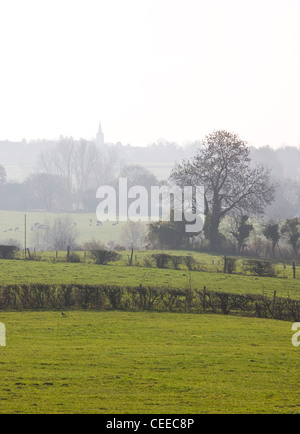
(204, 299)
(131, 258)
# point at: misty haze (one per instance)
(149, 209)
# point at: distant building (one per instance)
(100, 136)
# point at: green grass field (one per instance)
(117, 362)
(18, 271)
(10, 220)
(142, 362)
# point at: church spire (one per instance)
(100, 136)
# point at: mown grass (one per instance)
(119, 362)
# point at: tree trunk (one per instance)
(214, 234)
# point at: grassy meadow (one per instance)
(11, 220)
(52, 271)
(120, 362)
(114, 362)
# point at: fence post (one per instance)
(294, 270)
(131, 258)
(225, 264)
(204, 299)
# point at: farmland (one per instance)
(54, 271)
(11, 220)
(108, 361)
(143, 362)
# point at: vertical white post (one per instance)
(2, 335)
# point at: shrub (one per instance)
(260, 268)
(229, 265)
(176, 261)
(93, 245)
(8, 252)
(102, 257)
(161, 260)
(189, 262)
(148, 262)
(74, 258)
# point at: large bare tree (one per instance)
(48, 190)
(222, 166)
(59, 161)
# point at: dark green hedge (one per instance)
(37, 296)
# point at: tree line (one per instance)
(238, 191)
(67, 177)
(235, 191)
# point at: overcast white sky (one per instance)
(150, 69)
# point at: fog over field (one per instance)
(149, 209)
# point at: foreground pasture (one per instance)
(120, 362)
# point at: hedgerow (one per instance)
(151, 298)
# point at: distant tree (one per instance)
(222, 166)
(133, 235)
(48, 190)
(82, 166)
(267, 157)
(242, 231)
(272, 232)
(16, 197)
(2, 175)
(138, 175)
(61, 234)
(85, 159)
(286, 200)
(107, 167)
(168, 235)
(58, 160)
(291, 231)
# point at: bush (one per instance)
(189, 262)
(93, 245)
(148, 262)
(74, 258)
(102, 257)
(8, 252)
(230, 265)
(260, 268)
(161, 260)
(176, 261)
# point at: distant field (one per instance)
(10, 220)
(118, 362)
